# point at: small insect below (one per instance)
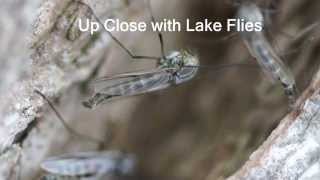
(89, 165)
(57, 177)
(260, 48)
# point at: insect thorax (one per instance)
(185, 65)
(179, 59)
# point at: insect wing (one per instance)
(58, 177)
(83, 164)
(129, 84)
(260, 50)
(134, 83)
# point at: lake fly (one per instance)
(175, 68)
(171, 71)
(89, 165)
(260, 48)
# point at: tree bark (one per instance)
(292, 151)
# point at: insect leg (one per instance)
(133, 56)
(64, 123)
(159, 33)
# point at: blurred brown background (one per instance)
(208, 127)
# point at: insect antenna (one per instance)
(158, 32)
(65, 124)
(133, 56)
(223, 66)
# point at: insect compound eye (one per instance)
(288, 92)
(180, 61)
(285, 85)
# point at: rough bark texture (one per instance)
(292, 151)
(204, 129)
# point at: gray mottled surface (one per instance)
(292, 151)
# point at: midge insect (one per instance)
(89, 165)
(260, 48)
(175, 68)
(172, 69)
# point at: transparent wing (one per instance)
(112, 81)
(272, 65)
(59, 177)
(129, 84)
(83, 163)
(261, 51)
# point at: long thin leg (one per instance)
(64, 123)
(114, 38)
(159, 33)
